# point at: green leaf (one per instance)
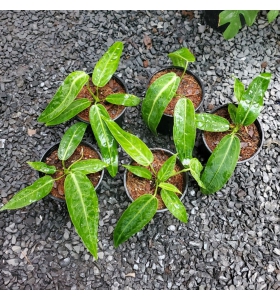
(135, 217)
(71, 140)
(82, 205)
(232, 17)
(105, 140)
(88, 166)
(131, 144)
(181, 57)
(107, 65)
(169, 187)
(272, 15)
(221, 164)
(123, 99)
(157, 97)
(139, 171)
(239, 89)
(251, 103)
(195, 169)
(184, 128)
(42, 167)
(38, 190)
(64, 96)
(167, 169)
(71, 111)
(174, 205)
(211, 122)
(232, 112)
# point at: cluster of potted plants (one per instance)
(156, 180)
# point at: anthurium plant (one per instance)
(80, 194)
(162, 90)
(64, 105)
(222, 162)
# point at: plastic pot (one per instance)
(165, 125)
(55, 147)
(258, 126)
(178, 162)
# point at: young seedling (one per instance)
(65, 105)
(80, 194)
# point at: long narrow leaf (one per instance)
(71, 111)
(169, 187)
(251, 103)
(131, 144)
(82, 205)
(135, 217)
(158, 96)
(139, 171)
(221, 164)
(174, 205)
(123, 99)
(70, 140)
(184, 129)
(38, 190)
(107, 65)
(64, 96)
(105, 140)
(88, 166)
(195, 169)
(167, 168)
(42, 167)
(239, 89)
(211, 122)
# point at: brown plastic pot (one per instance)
(165, 125)
(258, 126)
(178, 162)
(55, 147)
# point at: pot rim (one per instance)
(258, 125)
(185, 176)
(121, 81)
(54, 147)
(196, 77)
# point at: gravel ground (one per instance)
(232, 238)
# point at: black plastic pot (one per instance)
(260, 130)
(120, 117)
(211, 18)
(185, 175)
(55, 147)
(165, 125)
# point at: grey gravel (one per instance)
(231, 241)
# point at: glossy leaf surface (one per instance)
(233, 17)
(82, 205)
(184, 129)
(157, 97)
(232, 112)
(221, 164)
(107, 65)
(105, 140)
(211, 122)
(88, 166)
(123, 99)
(195, 169)
(139, 213)
(174, 205)
(42, 167)
(167, 169)
(139, 171)
(239, 89)
(71, 140)
(272, 15)
(251, 103)
(36, 191)
(181, 57)
(71, 111)
(131, 144)
(169, 187)
(64, 96)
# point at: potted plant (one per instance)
(166, 87)
(92, 94)
(225, 156)
(74, 169)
